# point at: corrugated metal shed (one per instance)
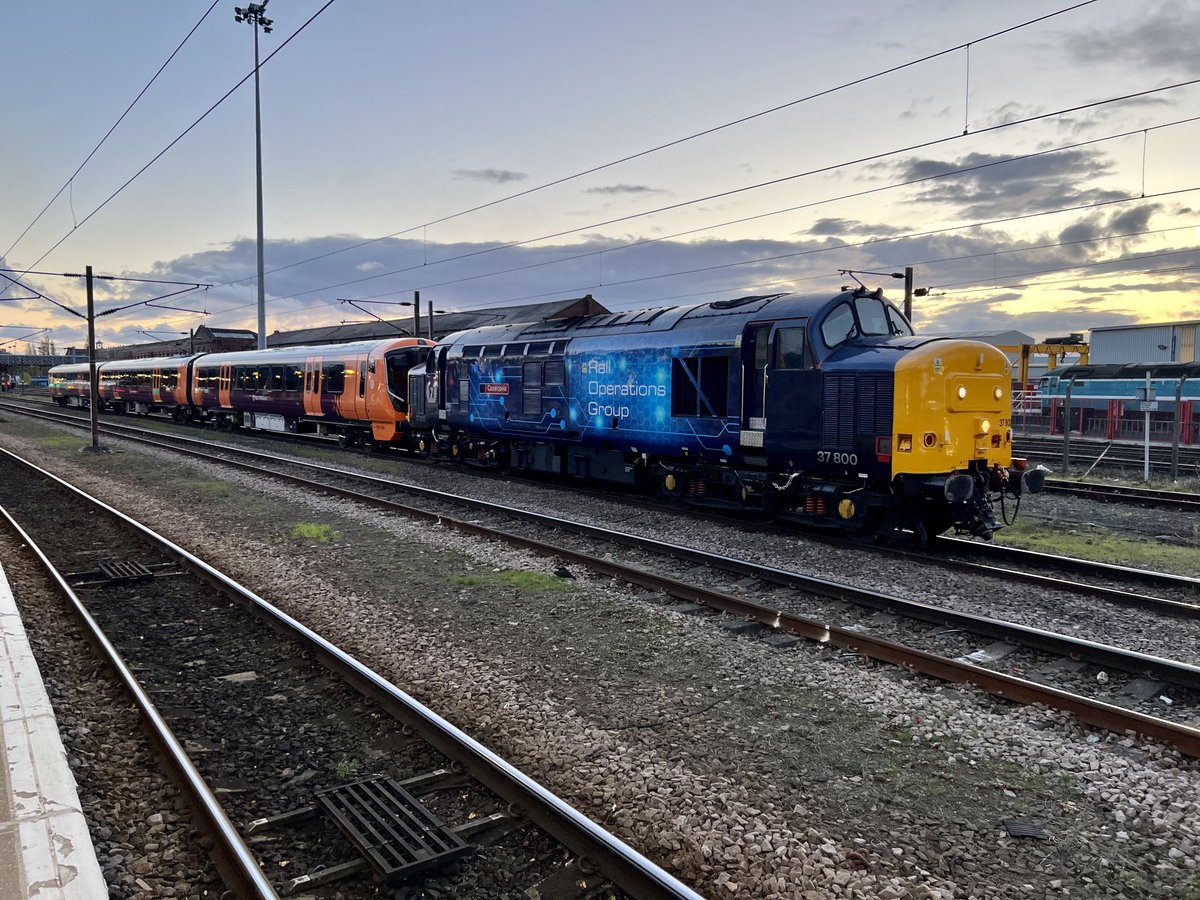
(1152, 342)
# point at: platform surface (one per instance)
(45, 849)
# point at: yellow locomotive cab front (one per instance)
(952, 433)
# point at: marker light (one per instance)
(982, 426)
(997, 392)
(962, 392)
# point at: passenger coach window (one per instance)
(291, 378)
(838, 326)
(335, 378)
(790, 349)
(275, 382)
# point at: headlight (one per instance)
(997, 392)
(982, 426)
(962, 392)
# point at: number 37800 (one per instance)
(838, 459)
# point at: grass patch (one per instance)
(205, 487)
(1099, 544)
(65, 441)
(314, 531)
(511, 578)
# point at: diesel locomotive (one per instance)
(824, 409)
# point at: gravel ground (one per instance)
(140, 824)
(747, 770)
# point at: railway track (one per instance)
(965, 647)
(1120, 493)
(239, 678)
(1086, 452)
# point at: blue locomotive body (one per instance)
(775, 402)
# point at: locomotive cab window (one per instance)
(839, 326)
(897, 323)
(791, 349)
(872, 317)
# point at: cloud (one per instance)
(995, 186)
(614, 189)
(495, 176)
(1162, 38)
(838, 227)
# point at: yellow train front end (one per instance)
(952, 437)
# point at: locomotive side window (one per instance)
(335, 378)
(791, 349)
(838, 326)
(699, 386)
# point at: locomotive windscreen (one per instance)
(398, 364)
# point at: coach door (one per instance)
(225, 386)
(312, 386)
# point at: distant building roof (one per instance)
(1183, 322)
(1011, 338)
(225, 334)
(443, 323)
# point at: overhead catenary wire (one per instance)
(875, 157)
(181, 136)
(691, 231)
(683, 140)
(70, 180)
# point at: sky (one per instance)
(1037, 175)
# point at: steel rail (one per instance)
(237, 865)
(1099, 654)
(1184, 738)
(623, 865)
(1116, 595)
(1125, 494)
(1112, 570)
(1030, 557)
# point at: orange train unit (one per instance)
(356, 392)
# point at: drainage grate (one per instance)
(397, 835)
(119, 571)
(1024, 830)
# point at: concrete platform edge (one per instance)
(45, 848)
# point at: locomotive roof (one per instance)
(662, 318)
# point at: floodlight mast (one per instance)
(255, 15)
